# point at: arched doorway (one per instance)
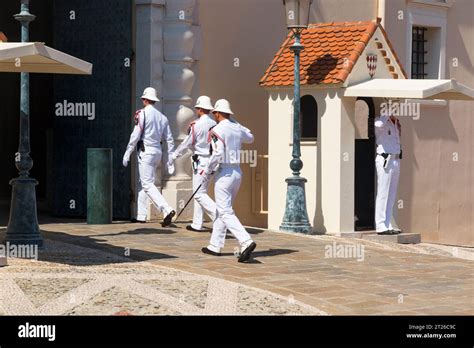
(364, 190)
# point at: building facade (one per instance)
(436, 187)
(186, 48)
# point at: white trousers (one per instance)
(202, 201)
(147, 164)
(387, 184)
(228, 180)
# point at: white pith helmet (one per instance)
(223, 106)
(204, 102)
(150, 94)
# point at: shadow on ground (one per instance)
(139, 231)
(89, 254)
(265, 253)
(273, 252)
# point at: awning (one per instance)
(411, 89)
(36, 57)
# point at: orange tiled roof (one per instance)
(331, 51)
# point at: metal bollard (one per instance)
(99, 186)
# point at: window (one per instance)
(426, 39)
(309, 118)
(418, 61)
(426, 53)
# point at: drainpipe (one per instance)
(381, 11)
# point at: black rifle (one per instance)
(194, 194)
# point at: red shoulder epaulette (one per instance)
(137, 118)
(191, 130)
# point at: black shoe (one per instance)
(384, 233)
(245, 256)
(191, 228)
(395, 231)
(210, 252)
(135, 221)
(168, 219)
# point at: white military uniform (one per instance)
(388, 171)
(198, 141)
(227, 138)
(152, 127)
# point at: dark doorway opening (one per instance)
(364, 201)
(309, 118)
(59, 144)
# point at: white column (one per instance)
(337, 165)
(149, 47)
(149, 61)
(180, 65)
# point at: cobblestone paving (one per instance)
(290, 274)
(100, 283)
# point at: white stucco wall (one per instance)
(330, 175)
(279, 153)
(436, 191)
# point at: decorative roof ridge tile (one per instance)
(392, 50)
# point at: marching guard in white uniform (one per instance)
(389, 153)
(227, 138)
(197, 141)
(151, 128)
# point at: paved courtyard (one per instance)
(134, 269)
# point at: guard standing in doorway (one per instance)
(151, 128)
(389, 153)
(227, 138)
(197, 141)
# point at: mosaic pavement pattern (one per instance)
(117, 286)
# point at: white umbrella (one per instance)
(36, 57)
(411, 89)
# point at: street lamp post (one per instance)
(296, 215)
(23, 226)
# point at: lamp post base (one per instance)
(23, 228)
(296, 218)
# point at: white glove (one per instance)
(125, 161)
(170, 167)
(174, 156)
(206, 178)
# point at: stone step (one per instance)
(402, 238)
(357, 234)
